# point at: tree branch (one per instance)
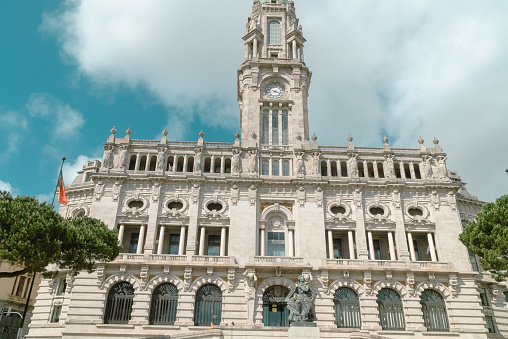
(13, 274)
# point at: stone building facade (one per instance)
(219, 232)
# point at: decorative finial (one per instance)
(113, 130)
(129, 131)
(385, 140)
(237, 135)
(436, 141)
(350, 138)
(420, 141)
(201, 134)
(314, 137)
(165, 132)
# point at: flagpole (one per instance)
(58, 181)
(33, 277)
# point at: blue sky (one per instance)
(72, 70)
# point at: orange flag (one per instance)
(62, 194)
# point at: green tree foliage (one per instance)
(33, 236)
(487, 237)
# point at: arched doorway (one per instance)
(208, 306)
(391, 313)
(347, 308)
(119, 303)
(163, 306)
(275, 311)
(434, 311)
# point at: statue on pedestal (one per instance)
(300, 301)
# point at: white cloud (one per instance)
(45, 197)
(66, 122)
(12, 127)
(71, 168)
(408, 68)
(5, 186)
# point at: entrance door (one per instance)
(275, 311)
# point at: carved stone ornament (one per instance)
(98, 190)
(196, 188)
(235, 194)
(144, 276)
(367, 282)
(253, 162)
(236, 164)
(324, 279)
(410, 283)
(301, 196)
(318, 194)
(352, 165)
(231, 279)
(357, 198)
(187, 278)
(435, 200)
(198, 156)
(442, 171)
(427, 167)
(253, 194)
(453, 284)
(452, 200)
(121, 158)
(161, 160)
(299, 164)
(108, 158)
(101, 275)
(316, 169)
(389, 167)
(156, 191)
(396, 200)
(250, 284)
(115, 192)
(69, 280)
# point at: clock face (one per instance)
(275, 91)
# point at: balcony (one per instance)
(277, 261)
(431, 265)
(390, 264)
(175, 260)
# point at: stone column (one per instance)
(376, 170)
(185, 162)
(328, 168)
(138, 160)
(223, 242)
(255, 49)
(402, 170)
(121, 231)
(291, 243)
(302, 59)
(222, 164)
(262, 250)
(295, 51)
(412, 170)
(411, 246)
(141, 239)
(161, 239)
(330, 245)
(212, 164)
(202, 241)
(246, 51)
(371, 246)
(351, 245)
(432, 247)
(175, 163)
(181, 245)
(392, 246)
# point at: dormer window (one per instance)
(274, 33)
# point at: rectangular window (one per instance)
(55, 315)
(285, 168)
(265, 168)
(21, 285)
(275, 127)
(266, 128)
(276, 244)
(490, 324)
(275, 168)
(274, 33)
(337, 248)
(174, 243)
(214, 245)
(285, 136)
(417, 252)
(377, 249)
(62, 286)
(133, 245)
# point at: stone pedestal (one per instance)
(304, 330)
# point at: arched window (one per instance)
(169, 165)
(217, 165)
(391, 314)
(153, 163)
(407, 171)
(274, 33)
(347, 308)
(380, 170)
(179, 163)
(132, 163)
(119, 304)
(370, 169)
(285, 168)
(208, 306)
(418, 174)
(208, 164)
(361, 173)
(190, 164)
(275, 168)
(343, 169)
(265, 167)
(334, 169)
(275, 127)
(324, 168)
(163, 306)
(285, 123)
(142, 163)
(275, 311)
(397, 170)
(266, 128)
(434, 311)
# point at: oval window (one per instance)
(338, 210)
(377, 211)
(79, 214)
(214, 206)
(414, 212)
(135, 204)
(175, 205)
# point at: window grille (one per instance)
(208, 306)
(347, 308)
(163, 307)
(434, 311)
(275, 311)
(119, 304)
(391, 314)
(266, 127)
(274, 33)
(275, 127)
(285, 135)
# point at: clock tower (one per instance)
(273, 82)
